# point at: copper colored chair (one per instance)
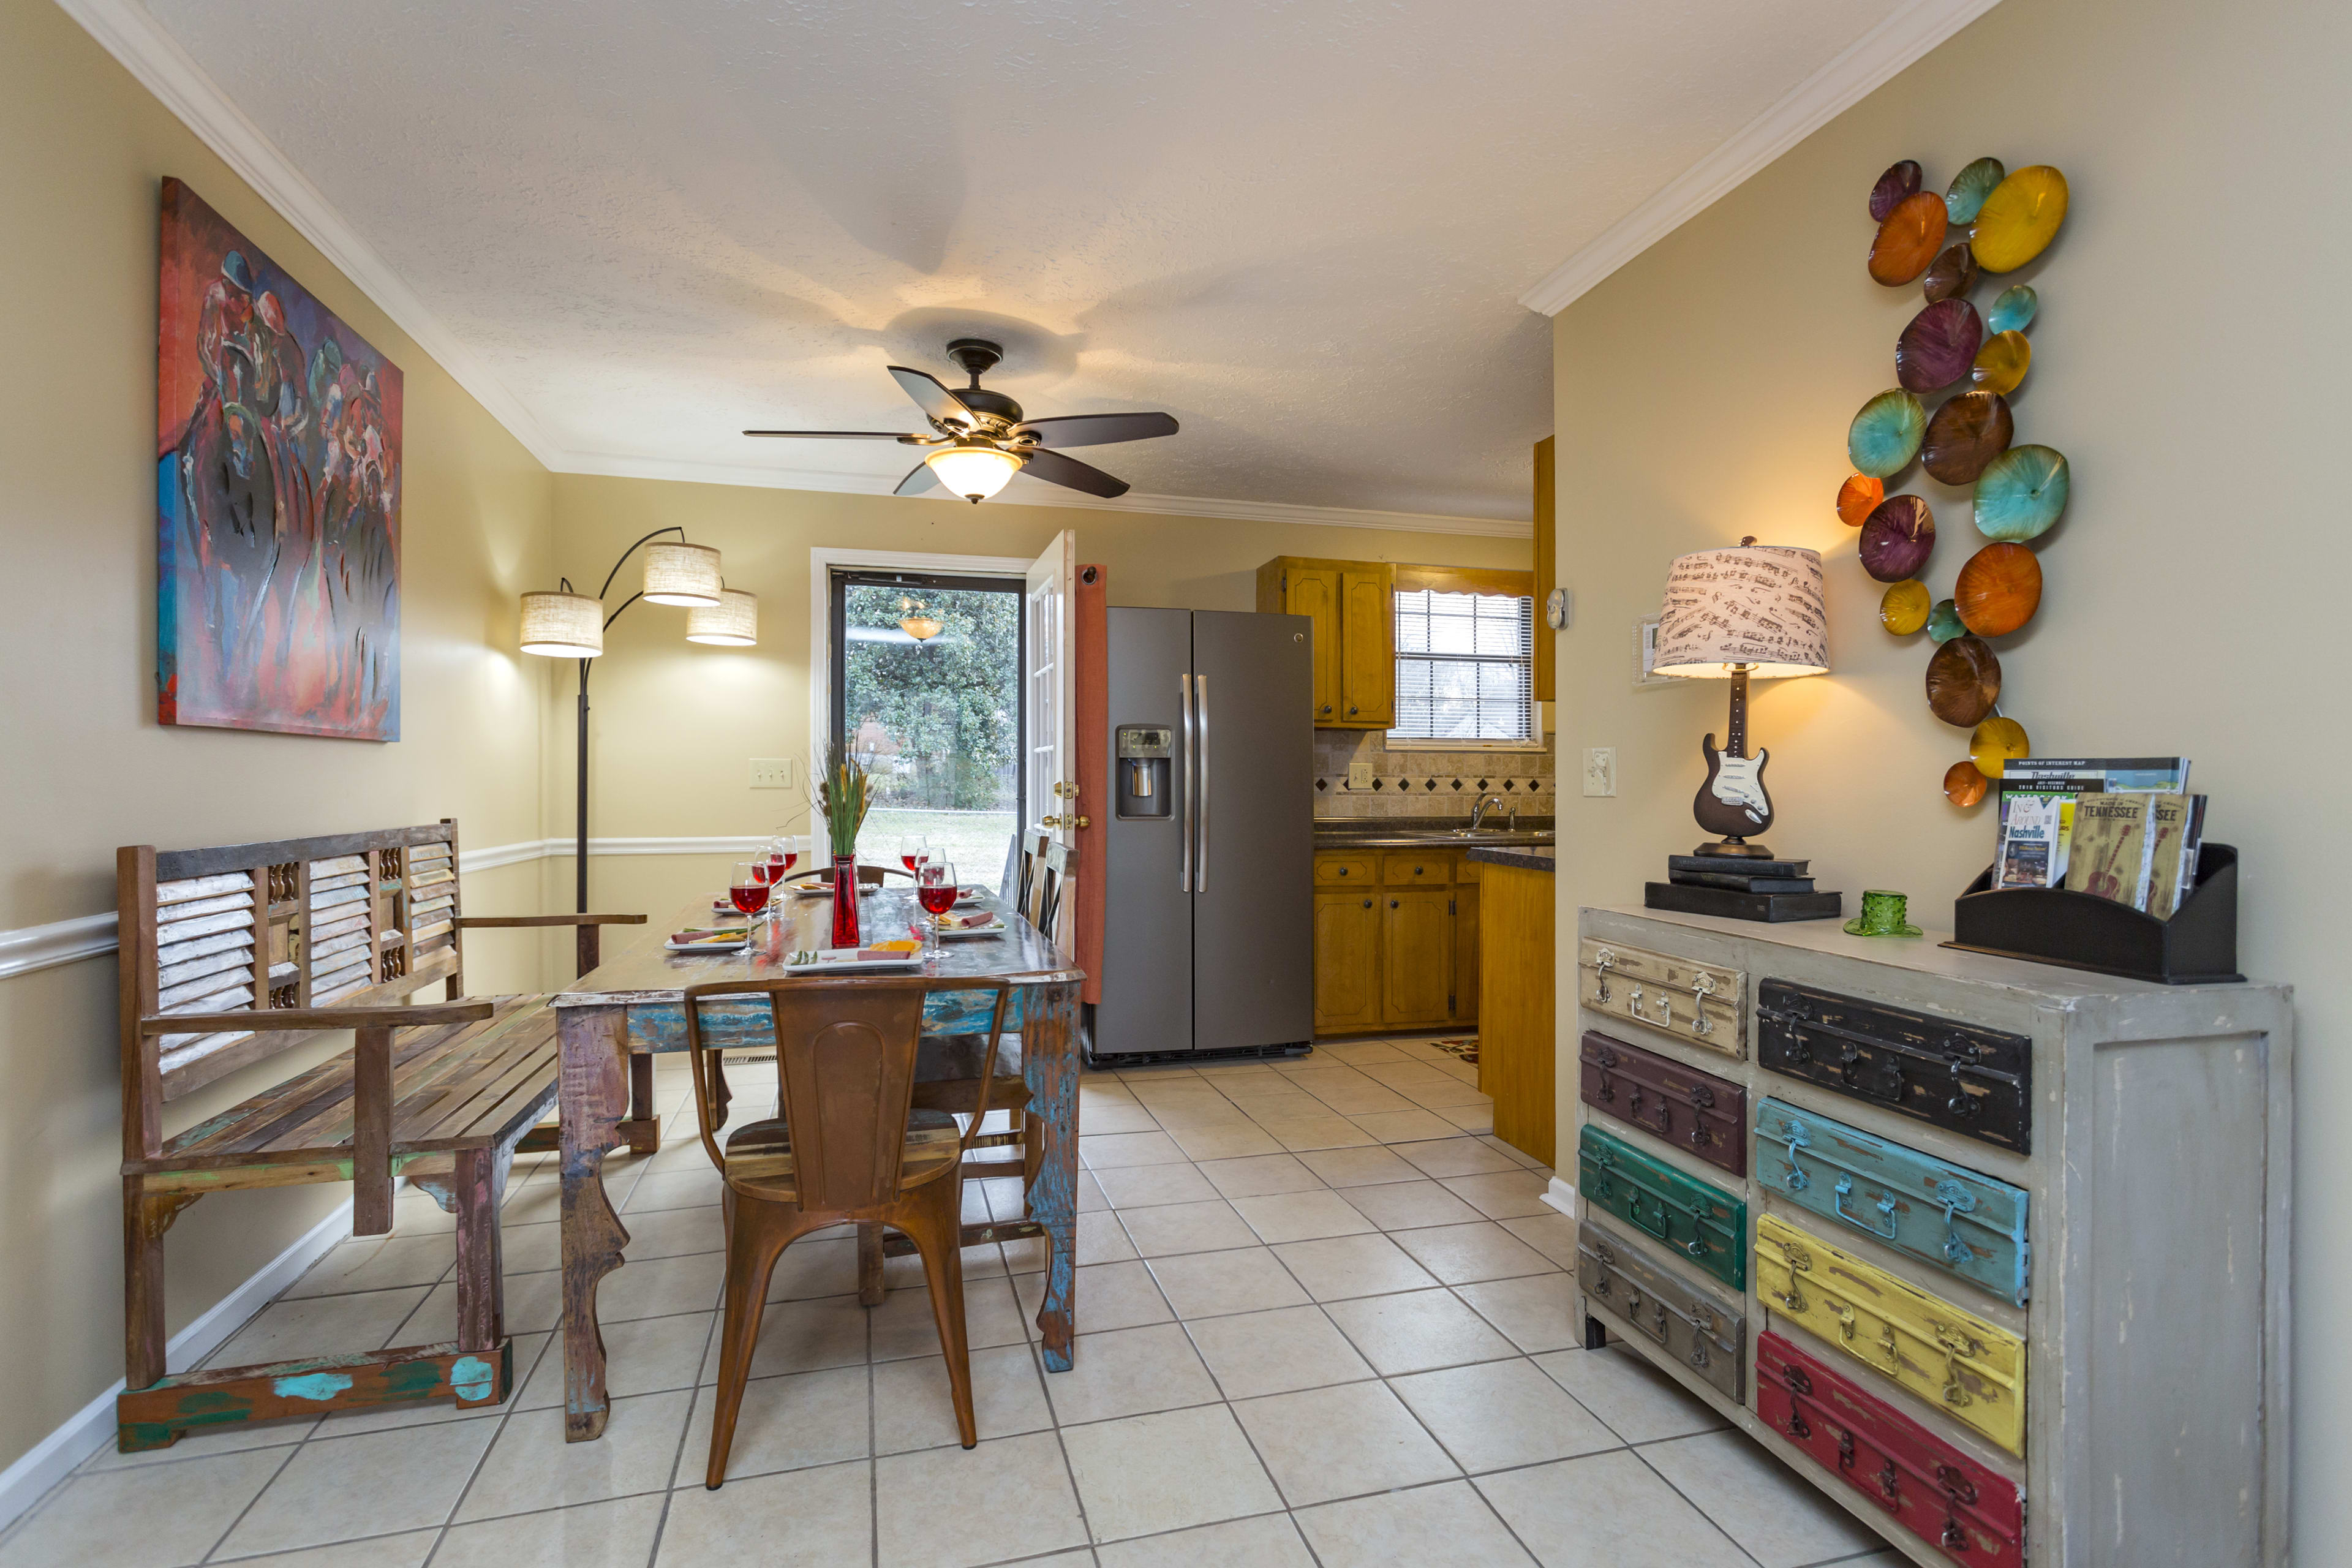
(848, 1145)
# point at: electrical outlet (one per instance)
(1360, 775)
(772, 773)
(1600, 770)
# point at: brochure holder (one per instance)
(2197, 946)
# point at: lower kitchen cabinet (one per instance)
(1348, 960)
(1401, 952)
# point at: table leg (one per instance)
(1049, 1055)
(592, 1097)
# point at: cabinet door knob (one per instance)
(1343, 870)
(1352, 712)
(1367, 903)
(1392, 903)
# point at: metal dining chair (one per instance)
(847, 1145)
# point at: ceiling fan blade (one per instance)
(919, 478)
(934, 400)
(1056, 469)
(836, 435)
(1098, 429)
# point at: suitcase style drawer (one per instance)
(1698, 1113)
(1973, 1082)
(1958, 1219)
(1974, 1515)
(1703, 1331)
(1701, 1002)
(1406, 870)
(1345, 870)
(1972, 1371)
(1705, 1227)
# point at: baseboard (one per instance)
(1561, 1196)
(91, 1427)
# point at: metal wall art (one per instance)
(1967, 362)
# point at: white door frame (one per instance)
(823, 560)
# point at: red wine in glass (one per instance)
(783, 860)
(765, 872)
(750, 897)
(938, 898)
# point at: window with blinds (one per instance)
(1464, 667)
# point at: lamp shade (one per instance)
(1757, 604)
(682, 574)
(562, 626)
(973, 472)
(733, 623)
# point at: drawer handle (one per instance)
(1885, 1211)
(1702, 988)
(1602, 961)
(1343, 870)
(1961, 1489)
(1954, 1536)
(1798, 1178)
(1890, 1481)
(1957, 1201)
(1665, 1228)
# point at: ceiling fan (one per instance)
(979, 440)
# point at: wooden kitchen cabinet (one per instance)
(1352, 605)
(1348, 960)
(1400, 951)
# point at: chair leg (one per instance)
(935, 1221)
(870, 1293)
(757, 1234)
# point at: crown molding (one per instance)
(839, 483)
(1861, 69)
(125, 30)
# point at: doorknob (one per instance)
(1076, 822)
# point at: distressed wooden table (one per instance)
(632, 1006)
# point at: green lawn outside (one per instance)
(975, 840)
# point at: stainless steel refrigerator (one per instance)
(1208, 940)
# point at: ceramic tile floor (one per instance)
(1323, 1321)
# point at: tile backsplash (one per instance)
(1424, 782)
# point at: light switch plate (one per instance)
(1600, 770)
(1360, 775)
(772, 773)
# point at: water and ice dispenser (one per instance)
(1144, 788)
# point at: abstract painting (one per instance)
(278, 483)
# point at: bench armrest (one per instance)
(476, 922)
(256, 1019)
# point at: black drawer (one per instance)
(1974, 1081)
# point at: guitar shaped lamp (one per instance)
(1753, 613)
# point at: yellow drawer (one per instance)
(1345, 870)
(1972, 1371)
(1701, 1002)
(1435, 869)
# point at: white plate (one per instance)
(826, 963)
(709, 946)
(955, 934)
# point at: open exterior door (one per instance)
(1049, 742)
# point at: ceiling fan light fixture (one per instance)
(974, 470)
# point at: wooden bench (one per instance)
(231, 955)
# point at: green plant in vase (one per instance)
(844, 793)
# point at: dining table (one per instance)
(632, 1004)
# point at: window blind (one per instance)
(1464, 667)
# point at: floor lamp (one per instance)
(570, 625)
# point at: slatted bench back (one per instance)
(349, 919)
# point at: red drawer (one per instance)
(1937, 1493)
(1698, 1112)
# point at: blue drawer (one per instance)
(1961, 1221)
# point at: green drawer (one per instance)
(1699, 1221)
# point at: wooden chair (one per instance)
(234, 955)
(848, 1145)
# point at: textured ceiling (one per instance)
(1301, 228)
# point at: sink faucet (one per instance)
(1478, 813)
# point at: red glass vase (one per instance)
(844, 901)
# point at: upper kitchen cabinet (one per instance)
(1352, 605)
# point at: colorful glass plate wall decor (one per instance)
(1939, 346)
(1963, 682)
(1897, 538)
(1910, 238)
(2019, 218)
(1885, 435)
(1998, 590)
(1964, 434)
(1857, 496)
(2021, 494)
(1966, 195)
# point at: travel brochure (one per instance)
(2123, 829)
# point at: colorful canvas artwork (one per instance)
(278, 483)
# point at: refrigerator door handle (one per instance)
(1200, 773)
(1190, 786)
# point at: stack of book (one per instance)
(1742, 889)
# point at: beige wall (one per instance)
(2187, 359)
(674, 724)
(85, 767)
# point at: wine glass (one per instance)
(913, 850)
(935, 889)
(749, 887)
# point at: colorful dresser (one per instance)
(1994, 1253)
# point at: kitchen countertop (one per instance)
(1521, 857)
(1393, 833)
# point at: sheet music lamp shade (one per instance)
(733, 623)
(562, 626)
(1756, 605)
(682, 574)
